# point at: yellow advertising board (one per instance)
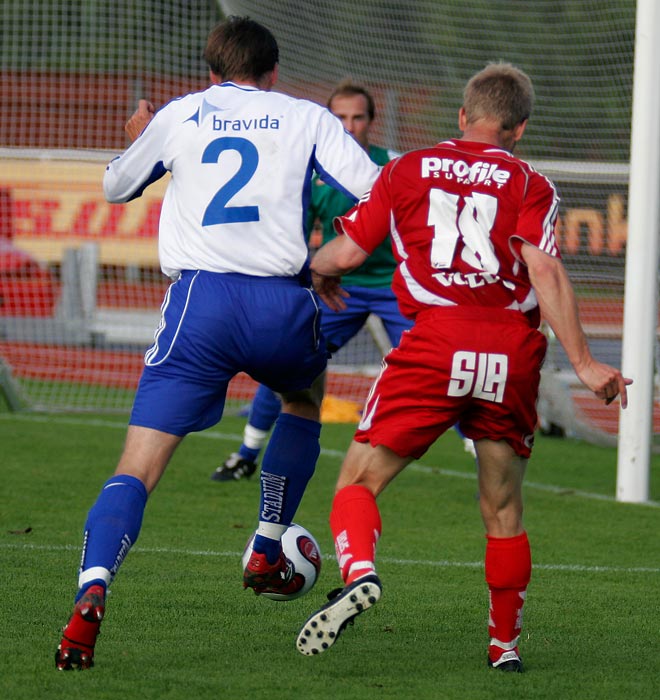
(60, 204)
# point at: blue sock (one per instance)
(248, 453)
(266, 406)
(288, 465)
(113, 525)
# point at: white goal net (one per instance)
(80, 285)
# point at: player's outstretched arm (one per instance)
(334, 259)
(337, 257)
(127, 175)
(139, 119)
(558, 305)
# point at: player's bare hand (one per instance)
(606, 382)
(329, 289)
(139, 119)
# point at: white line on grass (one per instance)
(443, 563)
(233, 438)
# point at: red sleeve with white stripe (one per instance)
(538, 217)
(368, 223)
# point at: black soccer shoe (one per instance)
(235, 468)
(509, 662)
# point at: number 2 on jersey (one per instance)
(217, 211)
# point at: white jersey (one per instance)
(241, 161)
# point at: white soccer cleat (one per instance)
(323, 628)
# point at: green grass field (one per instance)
(179, 625)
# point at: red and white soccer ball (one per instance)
(302, 550)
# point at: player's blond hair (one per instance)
(499, 92)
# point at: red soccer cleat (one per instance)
(279, 577)
(76, 650)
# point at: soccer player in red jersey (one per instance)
(473, 231)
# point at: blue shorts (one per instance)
(214, 326)
(340, 326)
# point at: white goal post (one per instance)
(641, 285)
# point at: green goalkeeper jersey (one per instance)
(326, 203)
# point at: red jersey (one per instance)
(458, 214)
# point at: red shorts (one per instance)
(476, 367)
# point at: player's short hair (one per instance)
(239, 47)
(499, 92)
(347, 88)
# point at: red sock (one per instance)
(356, 527)
(508, 571)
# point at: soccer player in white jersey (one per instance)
(473, 230)
(231, 238)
